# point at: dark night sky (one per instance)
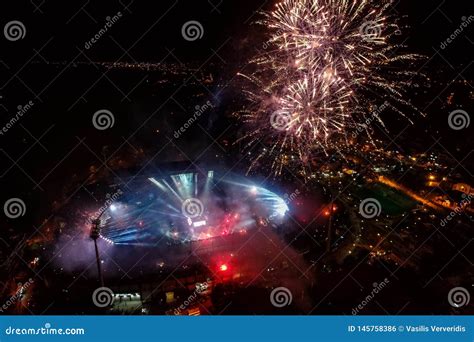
(431, 22)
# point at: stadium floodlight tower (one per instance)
(94, 235)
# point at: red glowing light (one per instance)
(223, 267)
(327, 210)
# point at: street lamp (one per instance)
(94, 235)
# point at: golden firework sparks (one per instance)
(327, 65)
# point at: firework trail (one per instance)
(328, 66)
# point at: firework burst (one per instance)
(328, 65)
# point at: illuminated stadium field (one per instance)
(187, 207)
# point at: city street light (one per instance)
(94, 235)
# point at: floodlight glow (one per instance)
(154, 209)
(281, 207)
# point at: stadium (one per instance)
(160, 234)
(188, 206)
